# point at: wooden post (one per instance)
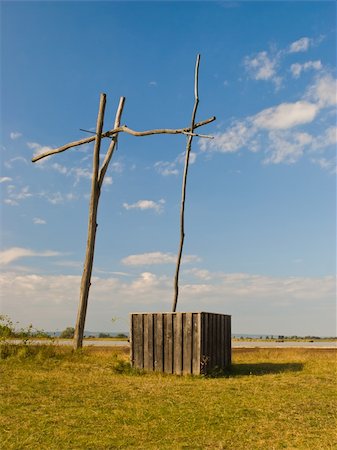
(92, 227)
(96, 184)
(183, 194)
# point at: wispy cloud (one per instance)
(265, 65)
(231, 293)
(57, 198)
(167, 168)
(15, 135)
(262, 66)
(10, 162)
(153, 84)
(278, 130)
(15, 253)
(39, 221)
(301, 45)
(297, 68)
(154, 258)
(59, 168)
(5, 179)
(323, 91)
(328, 164)
(143, 205)
(14, 196)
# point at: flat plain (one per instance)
(53, 398)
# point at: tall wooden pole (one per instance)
(183, 193)
(92, 227)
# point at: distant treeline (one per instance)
(281, 337)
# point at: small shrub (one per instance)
(122, 366)
(121, 336)
(68, 333)
(104, 335)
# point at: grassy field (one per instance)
(271, 399)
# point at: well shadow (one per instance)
(257, 369)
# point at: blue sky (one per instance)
(260, 217)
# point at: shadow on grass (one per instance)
(256, 369)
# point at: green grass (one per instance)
(53, 398)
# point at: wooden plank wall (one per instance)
(180, 343)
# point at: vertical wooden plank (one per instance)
(218, 340)
(223, 341)
(214, 343)
(168, 343)
(150, 342)
(229, 341)
(226, 341)
(196, 343)
(158, 341)
(146, 340)
(131, 341)
(178, 348)
(205, 342)
(187, 344)
(138, 347)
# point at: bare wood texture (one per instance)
(158, 343)
(124, 129)
(168, 343)
(180, 343)
(196, 344)
(187, 343)
(112, 145)
(183, 194)
(92, 226)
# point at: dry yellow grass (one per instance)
(272, 399)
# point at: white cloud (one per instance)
(80, 173)
(233, 139)
(107, 181)
(15, 196)
(301, 45)
(117, 167)
(9, 164)
(153, 84)
(9, 201)
(286, 115)
(153, 258)
(59, 168)
(323, 91)
(167, 168)
(276, 130)
(261, 66)
(285, 305)
(296, 69)
(328, 164)
(15, 135)
(39, 221)
(14, 253)
(5, 179)
(285, 147)
(145, 205)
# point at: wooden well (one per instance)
(181, 342)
